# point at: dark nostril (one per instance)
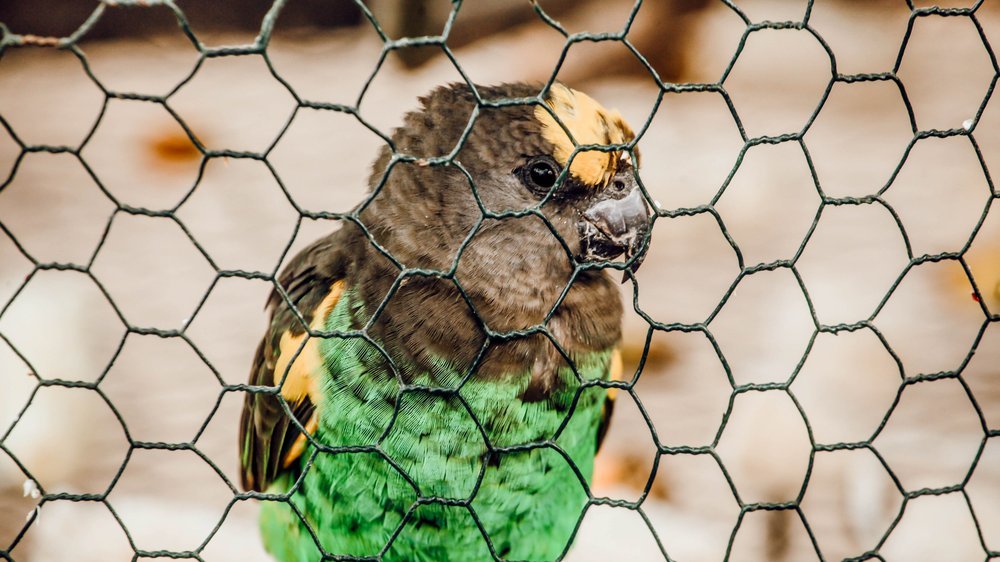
(619, 185)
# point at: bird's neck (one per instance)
(428, 317)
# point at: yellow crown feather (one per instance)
(589, 123)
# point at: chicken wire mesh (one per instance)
(981, 295)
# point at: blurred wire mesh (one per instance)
(818, 310)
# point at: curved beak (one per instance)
(615, 223)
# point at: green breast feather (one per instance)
(528, 500)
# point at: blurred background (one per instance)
(860, 386)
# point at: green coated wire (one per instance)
(259, 46)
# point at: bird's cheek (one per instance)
(563, 223)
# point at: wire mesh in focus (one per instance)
(171, 217)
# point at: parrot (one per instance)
(429, 385)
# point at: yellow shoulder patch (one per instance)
(617, 371)
(589, 123)
(301, 380)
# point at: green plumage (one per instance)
(528, 501)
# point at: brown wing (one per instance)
(617, 368)
(288, 358)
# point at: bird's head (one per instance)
(555, 188)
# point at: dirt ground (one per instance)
(764, 324)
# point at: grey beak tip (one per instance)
(612, 227)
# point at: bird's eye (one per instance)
(540, 175)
